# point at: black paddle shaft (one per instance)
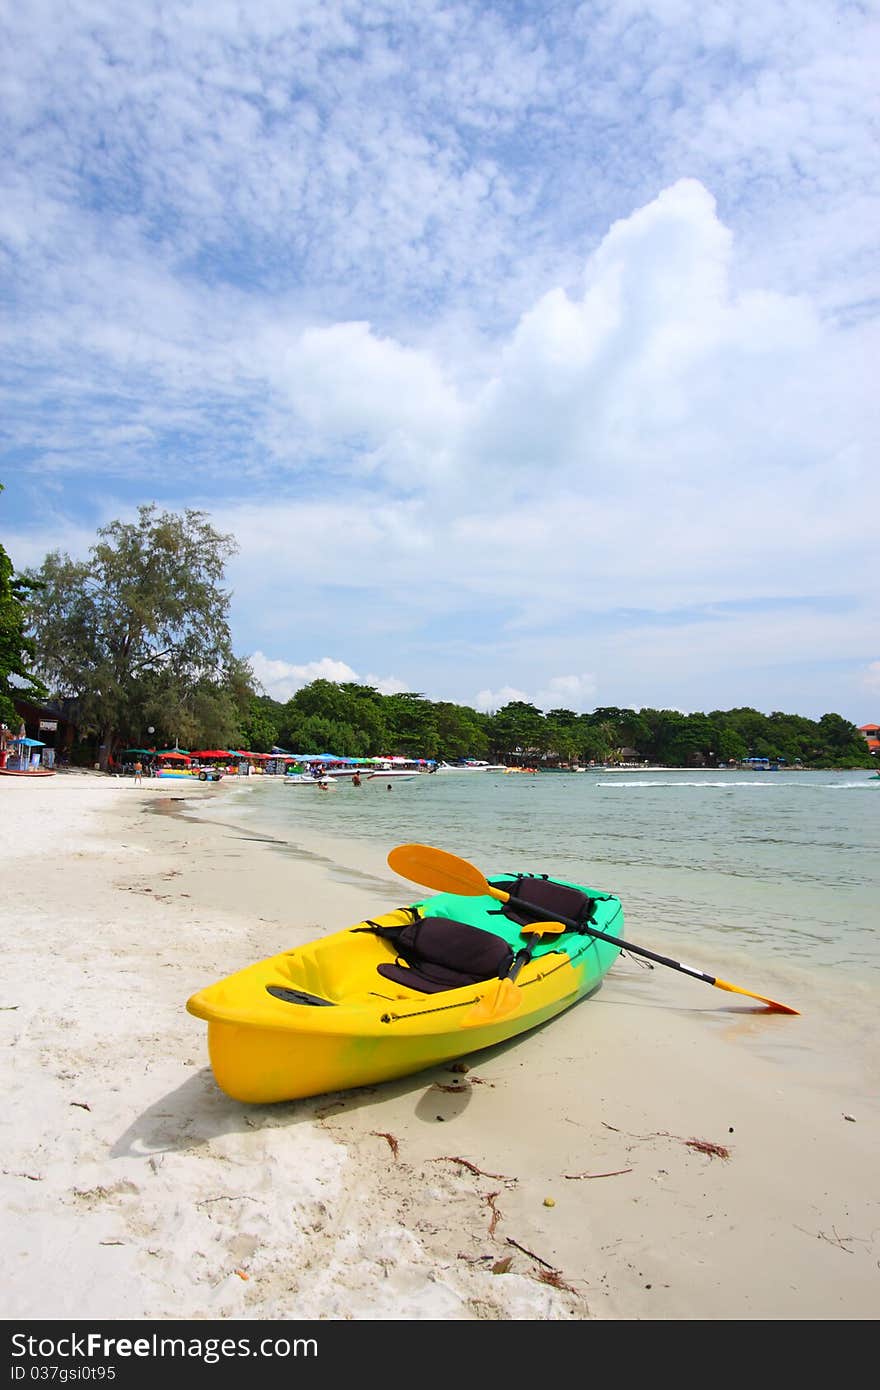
(614, 940)
(523, 956)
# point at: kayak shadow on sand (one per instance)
(198, 1112)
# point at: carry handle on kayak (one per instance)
(447, 873)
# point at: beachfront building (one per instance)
(871, 734)
(50, 725)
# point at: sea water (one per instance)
(784, 863)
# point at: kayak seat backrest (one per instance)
(549, 897)
(437, 953)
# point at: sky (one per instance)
(527, 350)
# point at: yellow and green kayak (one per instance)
(417, 986)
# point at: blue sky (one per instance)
(528, 351)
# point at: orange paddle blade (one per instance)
(737, 989)
(435, 868)
(506, 999)
(496, 1003)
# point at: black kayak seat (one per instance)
(438, 953)
(548, 898)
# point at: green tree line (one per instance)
(136, 637)
(357, 721)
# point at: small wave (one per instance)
(776, 782)
(702, 784)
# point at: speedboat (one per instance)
(471, 765)
(394, 774)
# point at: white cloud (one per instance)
(281, 679)
(490, 701)
(387, 685)
(501, 339)
(576, 693)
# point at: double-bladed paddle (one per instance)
(506, 997)
(436, 868)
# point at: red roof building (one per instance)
(871, 733)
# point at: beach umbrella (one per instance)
(174, 753)
(136, 750)
(24, 743)
(211, 753)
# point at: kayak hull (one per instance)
(322, 1018)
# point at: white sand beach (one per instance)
(651, 1154)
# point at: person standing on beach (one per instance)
(138, 773)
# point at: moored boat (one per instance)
(27, 771)
(189, 774)
(173, 764)
(394, 774)
(299, 775)
(471, 765)
(345, 770)
(407, 990)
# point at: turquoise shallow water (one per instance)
(779, 864)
